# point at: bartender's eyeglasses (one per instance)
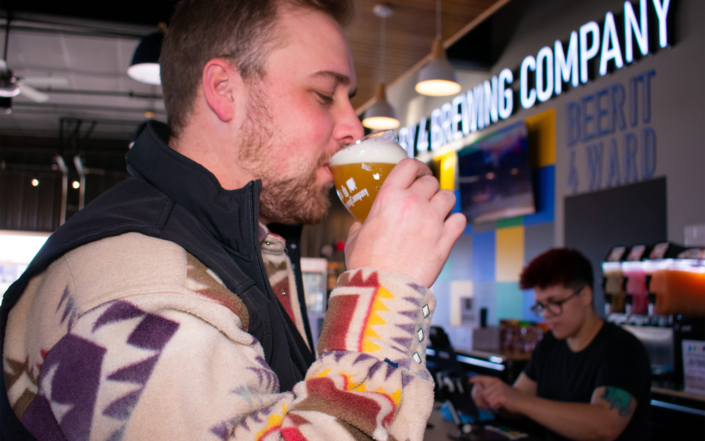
(555, 307)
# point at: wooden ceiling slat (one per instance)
(410, 31)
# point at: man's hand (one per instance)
(491, 393)
(407, 231)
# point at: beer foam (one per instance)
(374, 151)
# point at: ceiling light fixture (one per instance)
(381, 115)
(438, 78)
(8, 85)
(145, 61)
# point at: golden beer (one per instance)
(360, 169)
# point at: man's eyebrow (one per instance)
(338, 78)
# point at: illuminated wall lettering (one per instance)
(544, 76)
(566, 63)
(506, 98)
(528, 95)
(634, 28)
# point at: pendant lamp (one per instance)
(145, 61)
(381, 115)
(438, 78)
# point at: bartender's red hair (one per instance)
(558, 266)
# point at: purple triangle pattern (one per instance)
(76, 365)
(64, 296)
(375, 367)
(268, 376)
(338, 355)
(117, 435)
(261, 361)
(118, 311)
(404, 341)
(413, 315)
(226, 429)
(153, 333)
(403, 351)
(390, 370)
(221, 431)
(407, 328)
(418, 288)
(414, 300)
(67, 309)
(122, 408)
(406, 379)
(40, 420)
(137, 373)
(362, 357)
(403, 363)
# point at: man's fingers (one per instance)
(405, 173)
(354, 228)
(481, 402)
(495, 399)
(478, 396)
(481, 380)
(427, 186)
(453, 228)
(443, 202)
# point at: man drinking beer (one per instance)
(167, 309)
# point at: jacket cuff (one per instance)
(380, 313)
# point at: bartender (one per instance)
(587, 379)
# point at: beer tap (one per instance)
(608, 298)
(628, 298)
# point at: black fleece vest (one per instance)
(176, 199)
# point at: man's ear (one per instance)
(220, 87)
(589, 296)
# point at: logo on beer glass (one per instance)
(359, 170)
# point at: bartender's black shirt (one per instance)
(614, 358)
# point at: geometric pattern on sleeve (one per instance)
(70, 376)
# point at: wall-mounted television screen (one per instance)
(494, 175)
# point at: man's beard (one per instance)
(284, 199)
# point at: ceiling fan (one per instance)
(11, 86)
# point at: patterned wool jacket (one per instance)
(164, 310)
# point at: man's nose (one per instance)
(348, 127)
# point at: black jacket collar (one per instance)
(231, 216)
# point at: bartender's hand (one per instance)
(407, 231)
(491, 393)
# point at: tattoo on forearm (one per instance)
(619, 399)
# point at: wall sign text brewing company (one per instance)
(543, 76)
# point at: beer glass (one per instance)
(359, 170)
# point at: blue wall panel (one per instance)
(483, 257)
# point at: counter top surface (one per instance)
(502, 353)
(442, 428)
(678, 393)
